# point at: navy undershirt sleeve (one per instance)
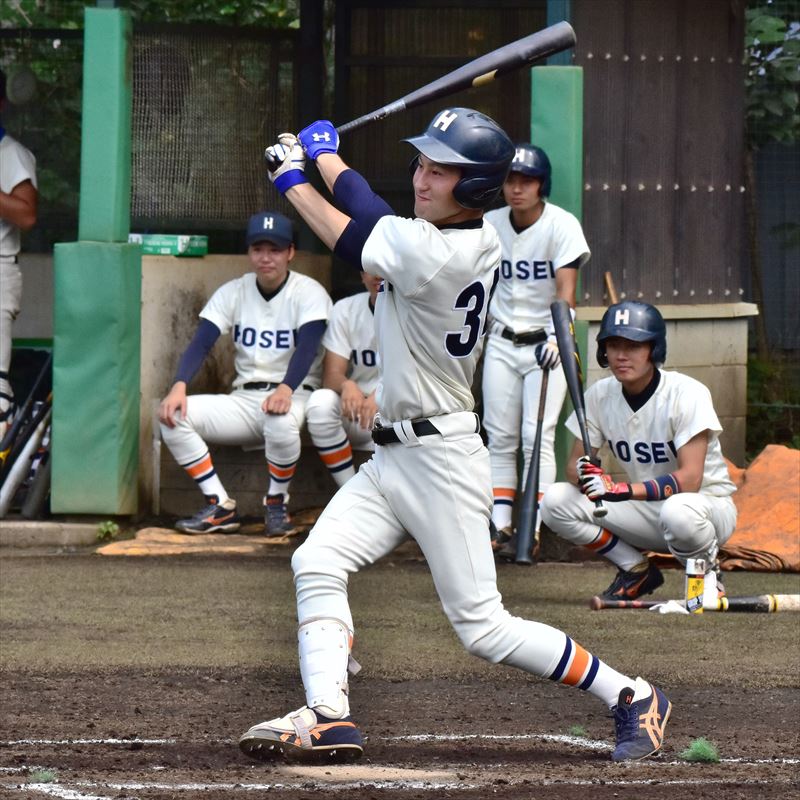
(364, 207)
(309, 337)
(203, 340)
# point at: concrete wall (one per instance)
(35, 320)
(707, 342)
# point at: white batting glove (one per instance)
(286, 161)
(547, 356)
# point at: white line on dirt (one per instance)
(55, 790)
(588, 744)
(576, 741)
(88, 741)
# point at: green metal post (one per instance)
(97, 295)
(557, 127)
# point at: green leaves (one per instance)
(772, 61)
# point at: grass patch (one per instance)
(701, 750)
(578, 730)
(43, 776)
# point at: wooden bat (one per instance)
(478, 72)
(573, 372)
(762, 603)
(529, 511)
(613, 297)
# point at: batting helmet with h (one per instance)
(532, 161)
(639, 322)
(464, 138)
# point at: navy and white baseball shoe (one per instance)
(639, 725)
(276, 516)
(215, 516)
(304, 735)
(630, 585)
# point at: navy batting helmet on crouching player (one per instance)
(639, 322)
(532, 161)
(461, 137)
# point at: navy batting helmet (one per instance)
(533, 161)
(464, 138)
(639, 322)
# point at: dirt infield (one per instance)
(132, 678)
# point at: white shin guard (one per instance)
(324, 646)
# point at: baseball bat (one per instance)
(478, 72)
(529, 512)
(22, 414)
(756, 604)
(573, 372)
(613, 297)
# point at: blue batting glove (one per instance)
(319, 137)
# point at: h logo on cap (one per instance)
(444, 119)
(622, 316)
(519, 155)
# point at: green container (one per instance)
(163, 244)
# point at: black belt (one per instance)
(526, 337)
(422, 427)
(271, 386)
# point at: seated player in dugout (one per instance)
(543, 247)
(663, 431)
(340, 415)
(430, 476)
(276, 318)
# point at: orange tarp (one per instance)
(767, 535)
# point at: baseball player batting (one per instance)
(664, 433)
(430, 475)
(543, 247)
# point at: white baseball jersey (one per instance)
(17, 164)
(351, 335)
(530, 259)
(646, 442)
(265, 332)
(428, 356)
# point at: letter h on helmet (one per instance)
(477, 145)
(637, 322)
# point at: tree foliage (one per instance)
(69, 13)
(772, 60)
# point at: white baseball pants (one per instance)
(688, 525)
(512, 381)
(10, 300)
(237, 419)
(437, 489)
(326, 426)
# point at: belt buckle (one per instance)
(517, 339)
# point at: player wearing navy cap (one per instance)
(663, 430)
(276, 318)
(430, 475)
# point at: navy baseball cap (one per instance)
(269, 226)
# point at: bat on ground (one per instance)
(573, 372)
(762, 603)
(482, 70)
(613, 297)
(529, 512)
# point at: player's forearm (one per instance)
(325, 220)
(19, 207)
(330, 166)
